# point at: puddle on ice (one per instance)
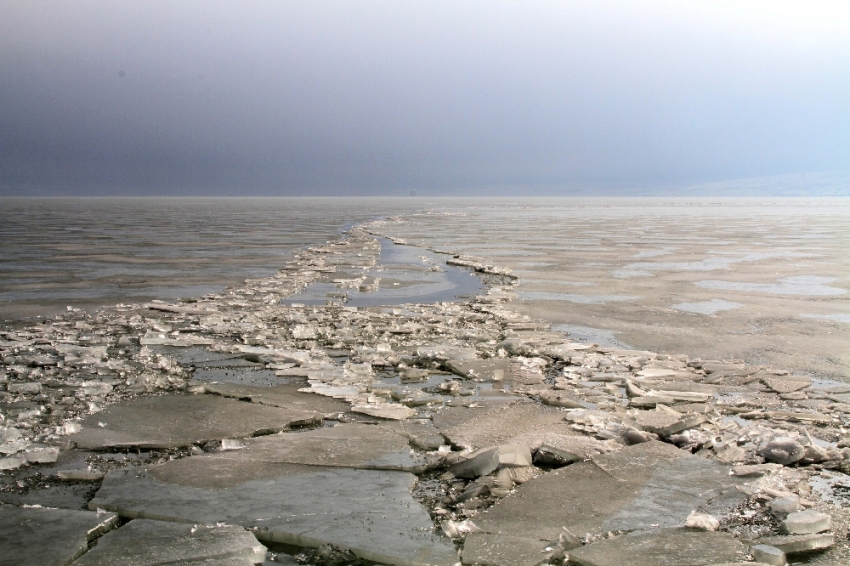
(253, 377)
(433, 380)
(652, 253)
(808, 285)
(573, 297)
(595, 335)
(832, 487)
(199, 357)
(405, 274)
(707, 307)
(714, 263)
(629, 273)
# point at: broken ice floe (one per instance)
(385, 433)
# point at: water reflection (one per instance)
(404, 274)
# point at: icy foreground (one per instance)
(243, 429)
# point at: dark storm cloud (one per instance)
(381, 97)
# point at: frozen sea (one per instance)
(763, 280)
(89, 252)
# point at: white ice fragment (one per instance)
(702, 521)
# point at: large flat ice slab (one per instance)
(491, 426)
(482, 549)
(36, 537)
(286, 396)
(159, 543)
(370, 512)
(667, 547)
(639, 487)
(179, 420)
(345, 445)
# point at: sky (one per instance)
(455, 97)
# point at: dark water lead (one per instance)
(404, 274)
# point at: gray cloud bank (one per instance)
(441, 97)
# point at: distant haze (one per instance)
(438, 97)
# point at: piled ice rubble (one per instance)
(408, 434)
